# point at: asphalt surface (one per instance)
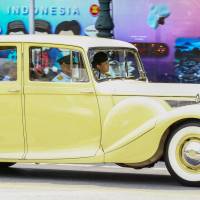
(95, 182)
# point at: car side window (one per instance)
(8, 63)
(123, 64)
(56, 65)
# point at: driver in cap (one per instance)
(101, 65)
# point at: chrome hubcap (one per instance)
(191, 153)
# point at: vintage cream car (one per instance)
(119, 118)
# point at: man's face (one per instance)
(66, 68)
(103, 67)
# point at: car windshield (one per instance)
(110, 64)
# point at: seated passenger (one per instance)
(66, 74)
(10, 71)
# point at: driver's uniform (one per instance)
(61, 77)
(99, 75)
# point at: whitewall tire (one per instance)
(182, 154)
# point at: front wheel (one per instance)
(182, 154)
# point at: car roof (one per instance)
(79, 41)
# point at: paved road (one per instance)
(91, 182)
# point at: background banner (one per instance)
(53, 16)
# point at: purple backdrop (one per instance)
(139, 21)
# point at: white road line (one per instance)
(44, 187)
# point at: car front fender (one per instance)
(148, 147)
(129, 119)
(177, 114)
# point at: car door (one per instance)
(11, 121)
(62, 117)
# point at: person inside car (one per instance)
(10, 71)
(66, 74)
(100, 65)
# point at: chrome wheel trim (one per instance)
(191, 153)
(174, 152)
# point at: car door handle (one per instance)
(14, 90)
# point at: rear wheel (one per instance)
(6, 164)
(182, 154)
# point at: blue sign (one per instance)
(51, 16)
